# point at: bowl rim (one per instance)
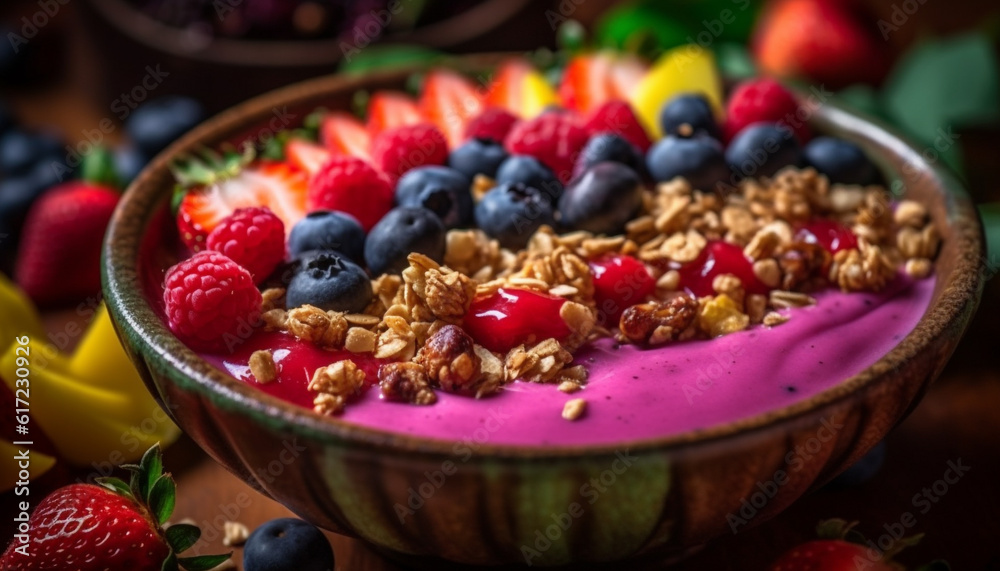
(139, 326)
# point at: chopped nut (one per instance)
(918, 268)
(335, 384)
(275, 319)
(658, 322)
(683, 246)
(763, 244)
(756, 307)
(450, 359)
(580, 319)
(574, 409)
(492, 368)
(913, 243)
(273, 298)
(801, 262)
(730, 286)
(406, 382)
(563, 290)
(910, 213)
(360, 340)
(768, 272)
(773, 319)
(398, 342)
(262, 366)
(448, 294)
(594, 247)
(721, 315)
(481, 185)
(234, 533)
(541, 363)
(846, 198)
(669, 281)
(674, 214)
(362, 319)
(569, 386)
(312, 324)
(865, 269)
(781, 299)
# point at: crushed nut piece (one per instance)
(362, 319)
(273, 298)
(730, 286)
(683, 246)
(541, 363)
(574, 409)
(450, 359)
(335, 384)
(492, 370)
(669, 281)
(398, 342)
(569, 386)
(763, 244)
(773, 319)
(918, 268)
(262, 367)
(580, 319)
(756, 307)
(658, 322)
(910, 213)
(781, 299)
(406, 382)
(234, 533)
(275, 320)
(323, 328)
(866, 269)
(768, 272)
(360, 340)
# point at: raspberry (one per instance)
(211, 302)
(763, 100)
(555, 139)
(351, 185)
(398, 150)
(617, 117)
(493, 123)
(253, 238)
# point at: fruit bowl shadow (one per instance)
(422, 503)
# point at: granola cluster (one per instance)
(414, 320)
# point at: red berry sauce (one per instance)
(717, 258)
(829, 234)
(619, 283)
(511, 317)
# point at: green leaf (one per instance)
(734, 61)
(116, 485)
(162, 497)
(170, 563)
(861, 98)
(385, 57)
(944, 84)
(834, 528)
(181, 536)
(203, 562)
(150, 470)
(571, 36)
(99, 168)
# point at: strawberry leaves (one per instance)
(155, 493)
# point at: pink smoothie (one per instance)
(636, 394)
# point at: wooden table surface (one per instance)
(958, 420)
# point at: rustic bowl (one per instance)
(682, 490)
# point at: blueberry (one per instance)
(403, 230)
(287, 544)
(602, 199)
(699, 160)
(610, 147)
(687, 115)
(329, 281)
(477, 156)
(762, 149)
(129, 162)
(328, 230)
(20, 150)
(442, 190)
(512, 212)
(158, 123)
(863, 470)
(529, 171)
(841, 161)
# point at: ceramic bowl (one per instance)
(679, 491)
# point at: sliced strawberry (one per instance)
(344, 134)
(520, 88)
(279, 186)
(450, 101)
(593, 79)
(391, 109)
(306, 155)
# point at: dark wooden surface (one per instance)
(958, 420)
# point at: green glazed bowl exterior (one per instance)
(429, 501)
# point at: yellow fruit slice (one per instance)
(538, 95)
(684, 69)
(17, 314)
(10, 466)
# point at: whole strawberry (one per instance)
(113, 525)
(60, 252)
(842, 548)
